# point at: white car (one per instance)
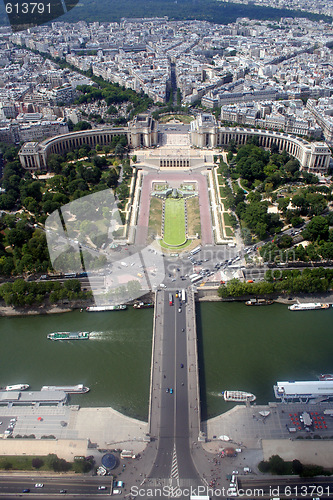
(39, 485)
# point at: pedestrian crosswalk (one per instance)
(174, 465)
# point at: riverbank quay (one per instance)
(281, 432)
(66, 306)
(33, 311)
(209, 294)
(94, 431)
(70, 431)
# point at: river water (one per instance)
(246, 348)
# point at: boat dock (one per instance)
(35, 398)
(303, 390)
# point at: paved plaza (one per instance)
(103, 427)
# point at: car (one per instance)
(183, 329)
(181, 365)
(0, 423)
(102, 488)
(171, 391)
(235, 471)
(180, 310)
(39, 485)
(26, 490)
(63, 491)
(167, 390)
(116, 492)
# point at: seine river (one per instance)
(246, 348)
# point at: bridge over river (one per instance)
(174, 410)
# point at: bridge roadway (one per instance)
(174, 418)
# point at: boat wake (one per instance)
(216, 394)
(102, 335)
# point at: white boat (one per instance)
(70, 389)
(120, 307)
(17, 387)
(238, 396)
(308, 306)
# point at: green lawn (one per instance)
(155, 218)
(227, 220)
(193, 216)
(174, 222)
(228, 230)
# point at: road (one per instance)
(287, 487)
(78, 485)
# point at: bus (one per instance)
(195, 250)
(183, 296)
(170, 299)
(127, 454)
(196, 279)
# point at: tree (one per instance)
(17, 237)
(119, 150)
(99, 161)
(296, 221)
(277, 464)
(283, 203)
(310, 178)
(54, 163)
(70, 125)
(285, 241)
(318, 228)
(299, 201)
(37, 463)
(112, 178)
(31, 204)
(82, 125)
